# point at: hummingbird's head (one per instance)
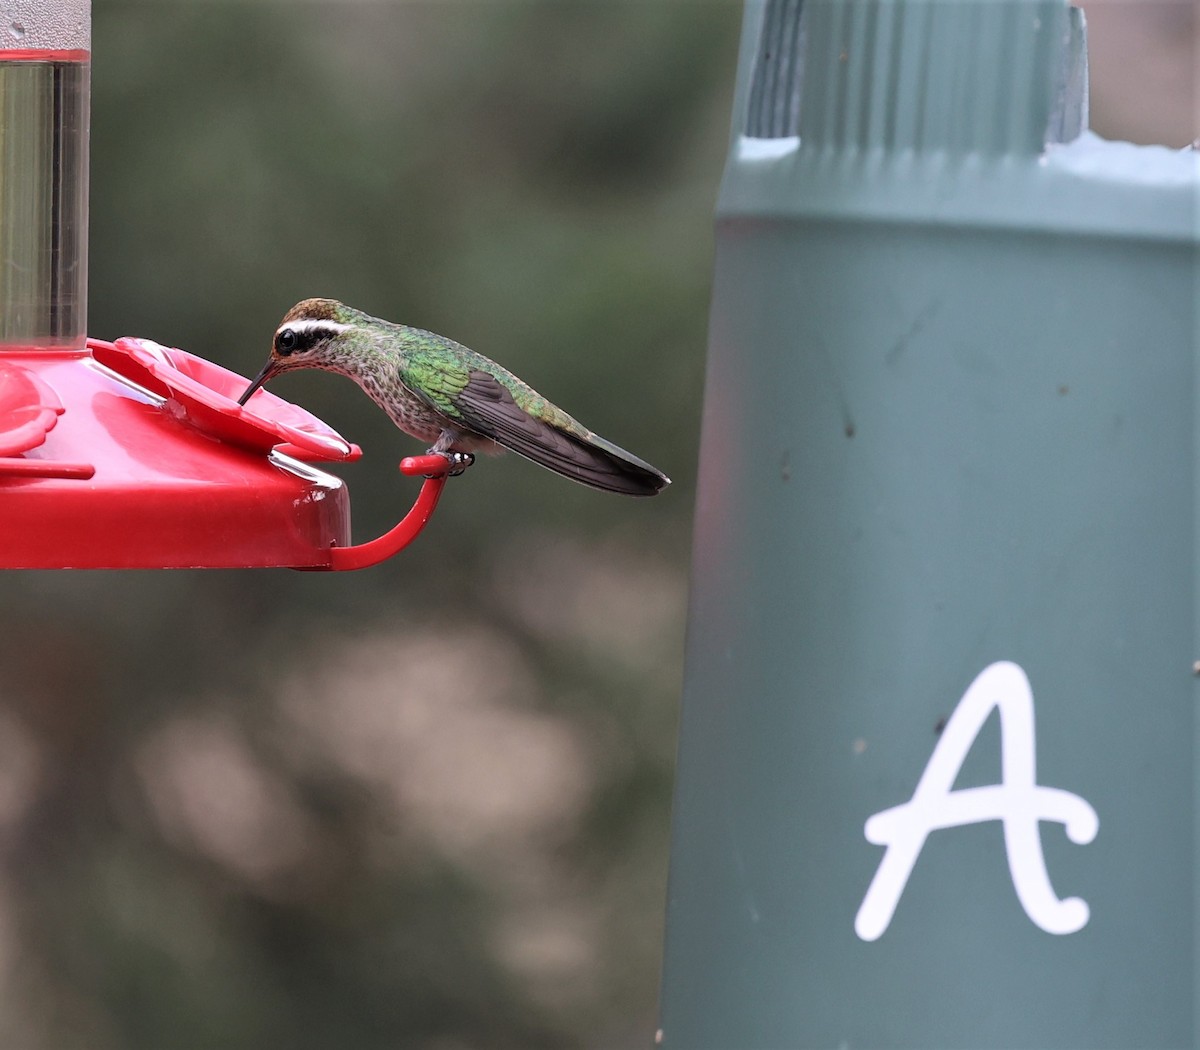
(309, 336)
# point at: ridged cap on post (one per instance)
(963, 76)
(961, 113)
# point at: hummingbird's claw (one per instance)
(459, 461)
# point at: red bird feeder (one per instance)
(130, 454)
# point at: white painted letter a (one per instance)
(1018, 801)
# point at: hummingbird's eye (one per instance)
(286, 341)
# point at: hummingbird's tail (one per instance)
(551, 438)
(600, 465)
(589, 460)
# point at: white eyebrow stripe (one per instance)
(315, 325)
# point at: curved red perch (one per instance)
(393, 541)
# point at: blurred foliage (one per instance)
(425, 805)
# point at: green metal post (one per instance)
(937, 769)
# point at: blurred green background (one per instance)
(424, 805)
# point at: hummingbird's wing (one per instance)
(480, 402)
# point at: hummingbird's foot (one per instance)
(459, 461)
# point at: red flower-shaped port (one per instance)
(28, 410)
(203, 394)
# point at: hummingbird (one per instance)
(440, 391)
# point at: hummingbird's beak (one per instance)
(268, 370)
